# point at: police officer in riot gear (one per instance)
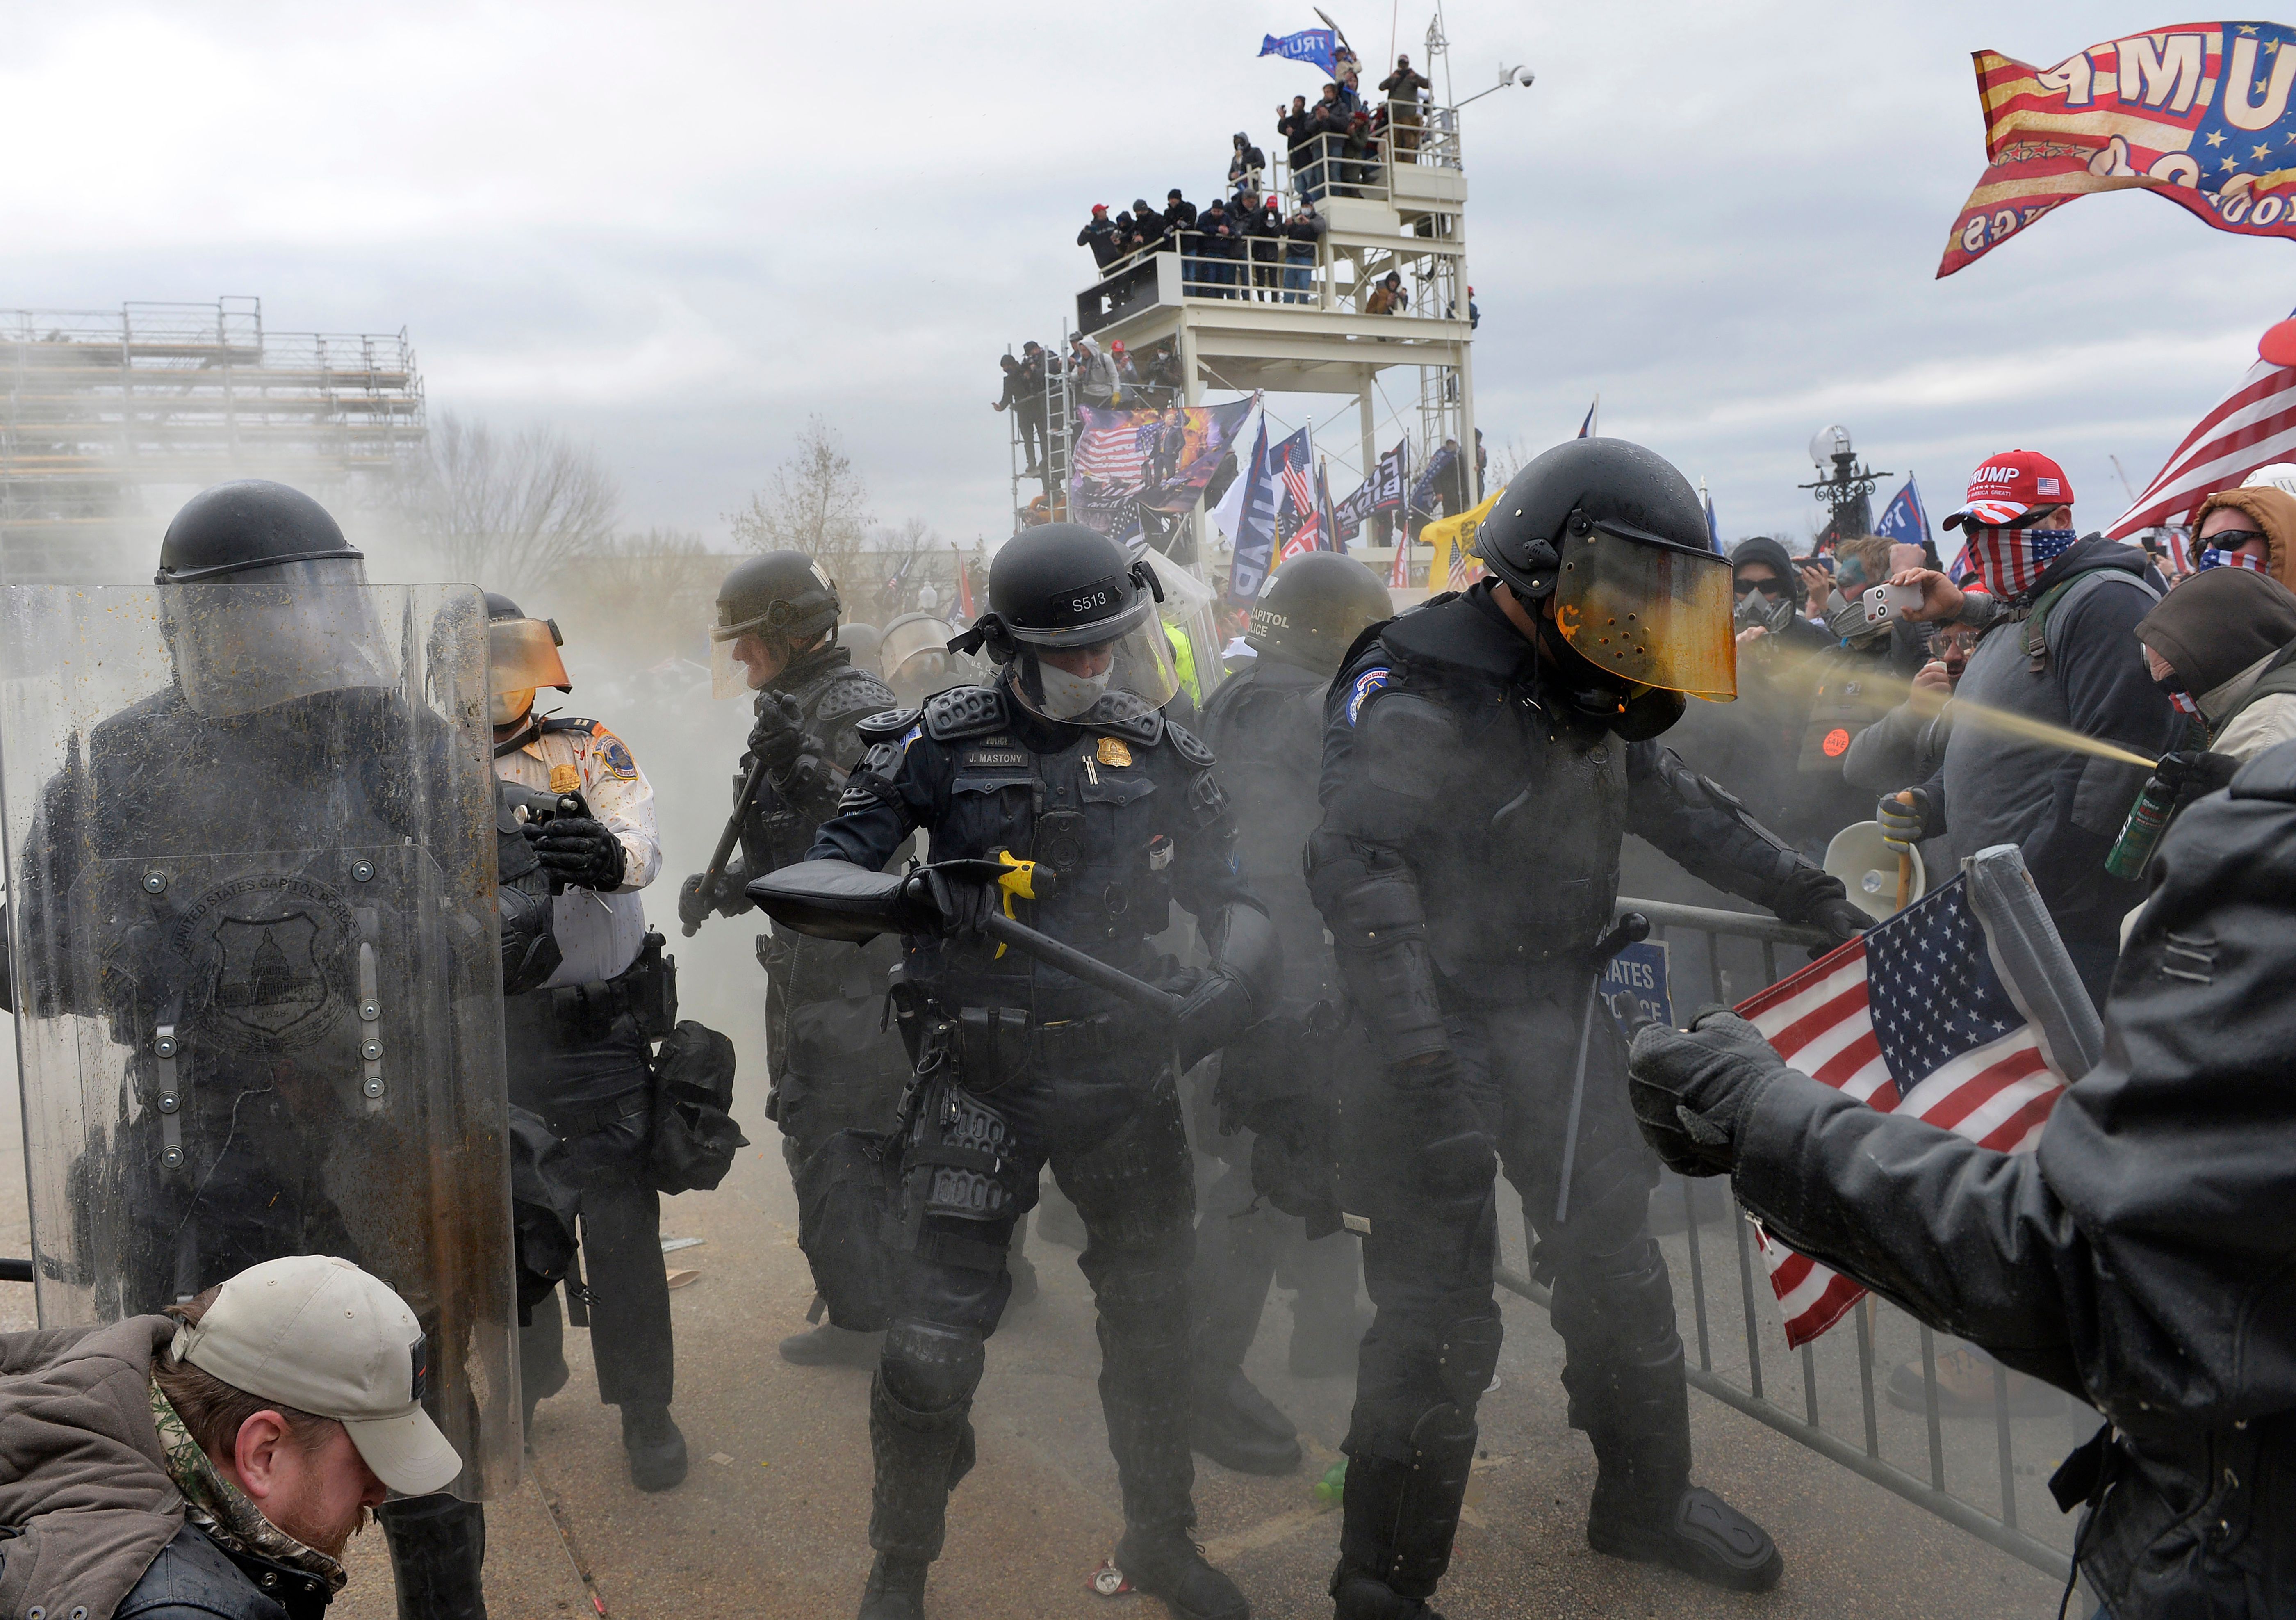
(1276, 1090)
(1064, 771)
(577, 1044)
(1484, 756)
(265, 878)
(834, 1064)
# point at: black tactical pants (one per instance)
(1421, 1166)
(1102, 1113)
(835, 1068)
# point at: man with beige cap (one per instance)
(214, 1460)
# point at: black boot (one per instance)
(1399, 1520)
(437, 1544)
(1355, 1596)
(895, 1589)
(656, 1448)
(1644, 1506)
(1165, 1563)
(1235, 1425)
(918, 1458)
(830, 1345)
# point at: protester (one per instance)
(1265, 234)
(1096, 376)
(2138, 1258)
(1403, 87)
(2248, 528)
(1149, 224)
(1027, 397)
(1221, 244)
(1100, 236)
(1015, 398)
(1303, 236)
(2223, 646)
(1387, 296)
(1179, 213)
(1906, 747)
(2056, 618)
(1245, 167)
(215, 1461)
(1295, 124)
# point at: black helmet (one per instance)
(783, 597)
(251, 524)
(1064, 587)
(862, 640)
(1618, 540)
(1312, 607)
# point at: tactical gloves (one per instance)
(778, 737)
(699, 900)
(2193, 773)
(1693, 1090)
(1842, 918)
(579, 853)
(1813, 895)
(1212, 1013)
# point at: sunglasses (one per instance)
(1770, 587)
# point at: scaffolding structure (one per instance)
(1309, 324)
(96, 407)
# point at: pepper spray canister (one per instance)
(2140, 835)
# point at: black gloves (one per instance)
(778, 737)
(1214, 1012)
(1693, 1090)
(2193, 773)
(1904, 824)
(1840, 918)
(1813, 895)
(578, 853)
(698, 902)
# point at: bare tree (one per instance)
(509, 512)
(814, 503)
(652, 593)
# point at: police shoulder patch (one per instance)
(1360, 690)
(559, 723)
(614, 752)
(963, 712)
(1187, 746)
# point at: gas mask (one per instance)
(1847, 621)
(1757, 610)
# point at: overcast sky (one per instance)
(675, 230)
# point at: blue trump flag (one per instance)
(1314, 45)
(1255, 536)
(1905, 519)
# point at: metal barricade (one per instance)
(1717, 1369)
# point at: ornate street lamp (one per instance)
(1843, 487)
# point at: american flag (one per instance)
(2250, 427)
(1112, 455)
(1911, 1018)
(1300, 496)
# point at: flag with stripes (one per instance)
(1911, 1018)
(2250, 427)
(1299, 520)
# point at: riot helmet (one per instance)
(915, 658)
(521, 656)
(781, 602)
(1312, 609)
(263, 601)
(1073, 620)
(862, 641)
(1616, 540)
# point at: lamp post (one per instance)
(1843, 487)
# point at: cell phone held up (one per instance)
(1885, 604)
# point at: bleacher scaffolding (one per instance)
(1288, 325)
(98, 406)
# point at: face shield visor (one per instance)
(1649, 614)
(522, 655)
(914, 655)
(1059, 674)
(262, 637)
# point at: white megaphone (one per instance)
(1870, 869)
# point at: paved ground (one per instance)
(770, 1525)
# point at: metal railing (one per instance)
(1855, 1434)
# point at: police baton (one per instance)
(1076, 964)
(1632, 929)
(733, 831)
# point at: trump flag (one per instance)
(2197, 112)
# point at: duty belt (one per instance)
(997, 1039)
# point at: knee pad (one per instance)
(1623, 1299)
(928, 1369)
(1468, 1357)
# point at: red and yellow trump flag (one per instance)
(2197, 112)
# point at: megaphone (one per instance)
(1869, 868)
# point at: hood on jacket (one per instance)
(2216, 624)
(88, 1481)
(2093, 550)
(1761, 548)
(2272, 510)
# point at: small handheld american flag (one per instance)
(1911, 1018)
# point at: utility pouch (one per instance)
(650, 989)
(694, 1136)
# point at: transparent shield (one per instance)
(246, 641)
(1655, 615)
(728, 676)
(259, 1004)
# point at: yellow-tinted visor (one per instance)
(522, 655)
(1654, 615)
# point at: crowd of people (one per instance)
(1398, 840)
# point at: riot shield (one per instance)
(258, 1003)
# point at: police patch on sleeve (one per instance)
(616, 755)
(1370, 681)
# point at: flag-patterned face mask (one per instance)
(2217, 556)
(2172, 687)
(2009, 561)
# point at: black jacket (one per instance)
(2144, 1256)
(1100, 236)
(1180, 216)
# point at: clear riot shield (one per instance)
(258, 1000)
